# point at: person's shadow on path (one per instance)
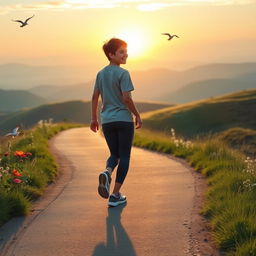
(118, 242)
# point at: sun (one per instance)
(136, 40)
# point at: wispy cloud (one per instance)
(142, 5)
(153, 6)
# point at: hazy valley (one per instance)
(28, 104)
(57, 84)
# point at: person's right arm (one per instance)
(94, 107)
(127, 98)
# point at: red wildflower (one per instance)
(19, 153)
(17, 181)
(16, 173)
(6, 154)
(29, 154)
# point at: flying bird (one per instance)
(24, 23)
(169, 36)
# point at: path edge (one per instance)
(12, 231)
(201, 240)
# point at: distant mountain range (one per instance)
(211, 88)
(170, 86)
(64, 93)
(159, 84)
(20, 77)
(162, 85)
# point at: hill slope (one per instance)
(12, 100)
(73, 111)
(240, 139)
(206, 116)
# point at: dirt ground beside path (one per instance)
(201, 241)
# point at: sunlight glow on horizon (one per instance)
(137, 42)
(76, 33)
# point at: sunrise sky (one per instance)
(71, 32)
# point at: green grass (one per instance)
(230, 206)
(241, 139)
(37, 170)
(206, 116)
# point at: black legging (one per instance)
(119, 136)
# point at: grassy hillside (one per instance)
(240, 139)
(151, 106)
(12, 100)
(72, 111)
(206, 116)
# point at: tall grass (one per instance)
(241, 139)
(230, 206)
(26, 169)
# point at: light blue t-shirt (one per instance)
(111, 81)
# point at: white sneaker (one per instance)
(104, 184)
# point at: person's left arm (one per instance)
(94, 110)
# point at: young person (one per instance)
(114, 85)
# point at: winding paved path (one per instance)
(160, 194)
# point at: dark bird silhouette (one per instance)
(169, 36)
(24, 23)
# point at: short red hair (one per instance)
(112, 46)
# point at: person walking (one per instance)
(114, 85)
